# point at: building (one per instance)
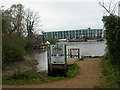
(75, 34)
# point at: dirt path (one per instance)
(89, 76)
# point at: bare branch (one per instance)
(103, 5)
(110, 5)
(114, 8)
(31, 19)
(110, 9)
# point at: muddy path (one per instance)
(89, 76)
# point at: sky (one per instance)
(64, 14)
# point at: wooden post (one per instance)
(78, 53)
(70, 53)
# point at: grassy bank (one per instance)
(22, 78)
(110, 72)
(73, 71)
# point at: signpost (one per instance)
(57, 58)
(74, 52)
(58, 54)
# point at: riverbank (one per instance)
(89, 75)
(29, 64)
(19, 66)
(25, 78)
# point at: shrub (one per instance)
(73, 70)
(111, 74)
(30, 41)
(112, 25)
(13, 49)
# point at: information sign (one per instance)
(74, 52)
(57, 54)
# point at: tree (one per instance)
(17, 12)
(110, 8)
(112, 26)
(31, 20)
(12, 19)
(6, 22)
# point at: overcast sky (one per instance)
(64, 14)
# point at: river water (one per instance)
(86, 49)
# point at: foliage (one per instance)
(12, 19)
(13, 48)
(6, 22)
(73, 70)
(20, 20)
(21, 78)
(31, 20)
(28, 78)
(14, 32)
(30, 41)
(111, 74)
(22, 75)
(112, 25)
(80, 59)
(111, 60)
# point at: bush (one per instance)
(13, 49)
(21, 78)
(23, 75)
(30, 41)
(73, 71)
(112, 25)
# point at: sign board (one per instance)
(74, 52)
(57, 54)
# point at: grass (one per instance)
(28, 78)
(110, 72)
(22, 78)
(73, 71)
(80, 59)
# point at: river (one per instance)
(86, 49)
